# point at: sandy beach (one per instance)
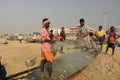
(105, 67)
(14, 55)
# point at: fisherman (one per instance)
(112, 36)
(83, 35)
(62, 37)
(3, 72)
(53, 47)
(51, 35)
(100, 35)
(62, 34)
(46, 53)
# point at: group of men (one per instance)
(83, 33)
(112, 36)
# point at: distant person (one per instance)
(62, 37)
(51, 35)
(112, 35)
(3, 71)
(20, 38)
(62, 34)
(34, 38)
(83, 35)
(100, 34)
(47, 55)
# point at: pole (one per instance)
(105, 20)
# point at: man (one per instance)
(51, 35)
(100, 34)
(83, 35)
(53, 47)
(3, 72)
(62, 34)
(111, 39)
(20, 38)
(62, 37)
(34, 38)
(47, 55)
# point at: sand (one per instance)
(105, 67)
(15, 54)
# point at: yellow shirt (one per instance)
(100, 33)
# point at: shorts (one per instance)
(111, 45)
(101, 40)
(47, 55)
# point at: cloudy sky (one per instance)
(23, 16)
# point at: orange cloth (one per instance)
(46, 47)
(57, 38)
(47, 55)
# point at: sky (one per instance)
(25, 16)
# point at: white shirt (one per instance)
(20, 37)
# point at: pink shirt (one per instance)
(112, 37)
(45, 35)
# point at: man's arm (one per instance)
(78, 34)
(87, 31)
(84, 35)
(117, 35)
(47, 40)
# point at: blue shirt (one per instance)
(2, 72)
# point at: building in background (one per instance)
(74, 29)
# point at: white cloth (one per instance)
(85, 42)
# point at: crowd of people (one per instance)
(83, 36)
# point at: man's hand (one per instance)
(47, 40)
(84, 35)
